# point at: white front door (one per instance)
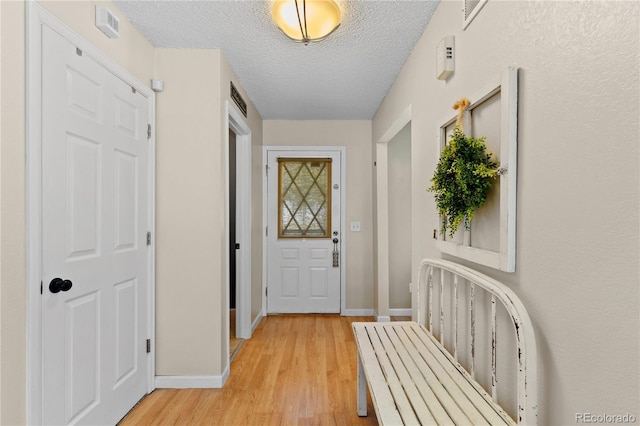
(94, 209)
(303, 193)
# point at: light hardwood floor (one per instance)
(234, 342)
(295, 370)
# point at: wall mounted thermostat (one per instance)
(445, 62)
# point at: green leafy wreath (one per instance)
(462, 179)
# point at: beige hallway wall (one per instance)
(578, 181)
(191, 278)
(13, 320)
(188, 282)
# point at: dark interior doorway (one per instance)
(232, 219)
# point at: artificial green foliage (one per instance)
(462, 180)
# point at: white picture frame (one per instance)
(505, 258)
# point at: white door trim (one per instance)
(382, 176)
(235, 121)
(343, 217)
(37, 16)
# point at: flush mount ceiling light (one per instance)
(306, 20)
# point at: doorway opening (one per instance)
(238, 226)
(234, 340)
(385, 227)
(400, 231)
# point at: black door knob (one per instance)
(66, 285)
(55, 285)
(58, 284)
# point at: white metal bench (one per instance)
(414, 379)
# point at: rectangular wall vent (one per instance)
(237, 98)
(107, 22)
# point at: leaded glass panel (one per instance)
(304, 199)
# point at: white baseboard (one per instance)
(192, 382)
(257, 321)
(401, 312)
(358, 313)
(383, 318)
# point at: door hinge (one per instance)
(148, 131)
(40, 287)
(266, 231)
(266, 170)
(148, 346)
(148, 238)
(266, 291)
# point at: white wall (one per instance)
(578, 181)
(356, 136)
(399, 185)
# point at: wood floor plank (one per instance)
(296, 369)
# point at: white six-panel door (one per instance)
(301, 277)
(94, 209)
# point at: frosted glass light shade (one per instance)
(306, 20)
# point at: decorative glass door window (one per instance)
(304, 198)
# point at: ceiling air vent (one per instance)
(107, 22)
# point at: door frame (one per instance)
(234, 120)
(36, 17)
(382, 195)
(342, 150)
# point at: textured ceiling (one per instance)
(343, 77)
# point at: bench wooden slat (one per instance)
(477, 396)
(397, 389)
(379, 390)
(417, 402)
(438, 412)
(445, 391)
